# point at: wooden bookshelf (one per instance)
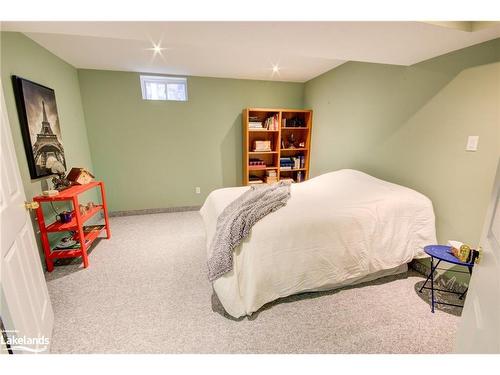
(289, 137)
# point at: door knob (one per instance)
(31, 205)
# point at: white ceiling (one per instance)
(303, 50)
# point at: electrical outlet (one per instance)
(472, 142)
(197, 190)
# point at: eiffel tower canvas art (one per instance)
(40, 128)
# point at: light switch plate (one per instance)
(472, 143)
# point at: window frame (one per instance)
(166, 80)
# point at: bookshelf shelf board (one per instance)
(262, 152)
(262, 169)
(263, 131)
(295, 149)
(293, 170)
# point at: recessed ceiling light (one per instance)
(157, 48)
(275, 70)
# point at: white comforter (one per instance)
(336, 229)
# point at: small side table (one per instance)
(443, 253)
(82, 236)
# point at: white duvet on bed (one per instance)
(336, 229)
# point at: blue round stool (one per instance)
(443, 253)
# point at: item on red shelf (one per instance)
(60, 182)
(64, 217)
(66, 242)
(90, 228)
(50, 193)
(83, 209)
(80, 176)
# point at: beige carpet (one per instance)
(146, 291)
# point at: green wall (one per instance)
(409, 125)
(152, 154)
(23, 57)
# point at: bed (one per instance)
(340, 228)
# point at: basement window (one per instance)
(164, 88)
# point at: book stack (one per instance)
(256, 164)
(296, 162)
(286, 163)
(262, 146)
(293, 162)
(254, 123)
(254, 180)
(271, 123)
(271, 177)
(299, 162)
(294, 122)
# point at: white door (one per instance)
(479, 330)
(25, 307)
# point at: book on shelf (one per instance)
(294, 122)
(255, 125)
(271, 123)
(292, 162)
(255, 161)
(256, 167)
(300, 176)
(255, 180)
(286, 163)
(271, 176)
(262, 146)
(271, 173)
(296, 163)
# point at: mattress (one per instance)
(337, 229)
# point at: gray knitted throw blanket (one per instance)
(238, 218)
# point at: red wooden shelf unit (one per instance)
(84, 237)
